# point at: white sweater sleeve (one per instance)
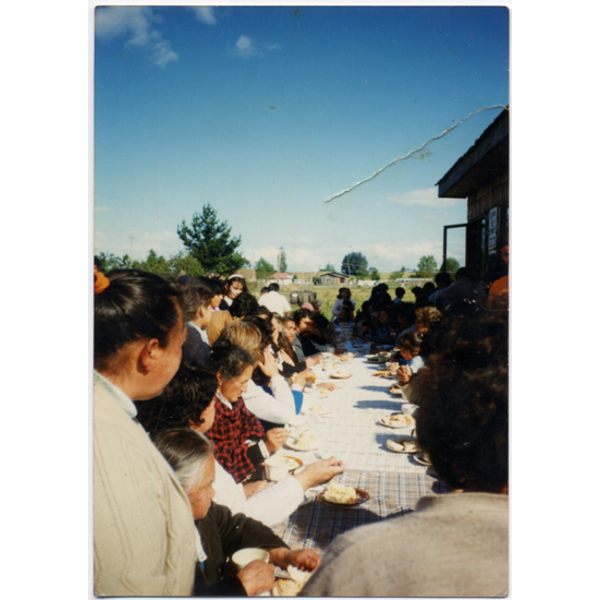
(276, 503)
(278, 408)
(270, 506)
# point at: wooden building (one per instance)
(332, 278)
(481, 176)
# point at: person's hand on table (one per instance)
(275, 438)
(254, 487)
(257, 577)
(306, 560)
(319, 472)
(326, 386)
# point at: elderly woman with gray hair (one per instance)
(220, 533)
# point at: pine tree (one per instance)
(210, 243)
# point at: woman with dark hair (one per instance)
(240, 440)
(343, 294)
(142, 546)
(234, 286)
(221, 533)
(452, 544)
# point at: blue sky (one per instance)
(267, 112)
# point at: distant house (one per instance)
(332, 278)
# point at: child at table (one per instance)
(409, 346)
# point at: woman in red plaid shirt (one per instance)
(239, 438)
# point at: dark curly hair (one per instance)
(463, 417)
(184, 399)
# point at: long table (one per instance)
(354, 434)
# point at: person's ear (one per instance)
(194, 425)
(148, 355)
(219, 378)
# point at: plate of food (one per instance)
(402, 445)
(397, 421)
(340, 495)
(347, 356)
(385, 374)
(396, 390)
(422, 459)
(323, 393)
(340, 375)
(292, 586)
(305, 442)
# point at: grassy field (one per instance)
(329, 295)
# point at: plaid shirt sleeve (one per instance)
(231, 429)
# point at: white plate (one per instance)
(340, 375)
(292, 446)
(405, 422)
(402, 446)
(418, 457)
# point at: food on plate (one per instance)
(340, 375)
(323, 393)
(317, 409)
(387, 374)
(339, 493)
(396, 390)
(305, 439)
(398, 420)
(405, 446)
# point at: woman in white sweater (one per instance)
(144, 535)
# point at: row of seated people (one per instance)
(215, 409)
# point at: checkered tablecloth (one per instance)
(354, 434)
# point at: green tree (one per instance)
(427, 266)
(328, 267)
(361, 274)
(263, 269)
(109, 262)
(282, 262)
(353, 262)
(186, 263)
(374, 274)
(452, 265)
(210, 243)
(153, 264)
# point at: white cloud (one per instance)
(427, 197)
(206, 14)
(135, 23)
(162, 54)
(246, 47)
